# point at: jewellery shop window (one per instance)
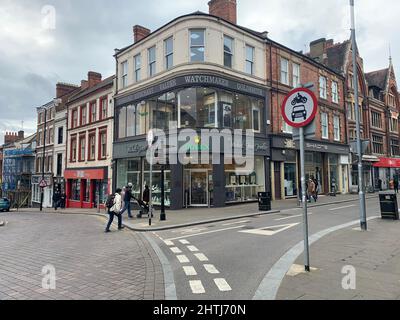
(156, 183)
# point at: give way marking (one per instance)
(270, 231)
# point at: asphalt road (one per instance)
(228, 260)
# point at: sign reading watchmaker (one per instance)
(193, 79)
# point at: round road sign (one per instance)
(299, 107)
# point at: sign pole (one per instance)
(304, 201)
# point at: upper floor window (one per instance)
(73, 149)
(82, 148)
(83, 115)
(322, 87)
(335, 92)
(93, 112)
(60, 135)
(336, 128)
(92, 146)
(39, 138)
(138, 66)
(169, 53)
(296, 75)
(391, 100)
(228, 52)
(249, 59)
(51, 135)
(74, 118)
(152, 61)
(197, 45)
(394, 147)
(394, 124)
(104, 107)
(285, 71)
(124, 74)
(376, 119)
(103, 145)
(377, 144)
(324, 125)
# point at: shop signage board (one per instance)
(298, 111)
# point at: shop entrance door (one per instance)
(198, 188)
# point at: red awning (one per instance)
(88, 174)
(388, 163)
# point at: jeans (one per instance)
(111, 219)
(127, 206)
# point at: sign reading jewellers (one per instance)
(190, 80)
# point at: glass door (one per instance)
(198, 188)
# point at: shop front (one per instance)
(325, 162)
(86, 188)
(385, 170)
(47, 191)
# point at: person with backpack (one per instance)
(127, 200)
(114, 204)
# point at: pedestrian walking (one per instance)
(114, 204)
(146, 197)
(56, 199)
(63, 200)
(316, 185)
(396, 184)
(310, 189)
(127, 200)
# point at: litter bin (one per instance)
(264, 201)
(389, 207)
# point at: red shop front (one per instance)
(86, 187)
(388, 163)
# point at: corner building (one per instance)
(201, 71)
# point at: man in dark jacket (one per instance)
(146, 195)
(56, 199)
(127, 200)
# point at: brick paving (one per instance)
(375, 256)
(89, 264)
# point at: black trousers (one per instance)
(112, 214)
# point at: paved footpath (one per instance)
(373, 255)
(89, 264)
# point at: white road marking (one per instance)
(176, 250)
(340, 208)
(210, 268)
(208, 232)
(238, 222)
(222, 285)
(291, 217)
(201, 257)
(197, 287)
(168, 243)
(192, 249)
(188, 231)
(190, 271)
(266, 232)
(184, 241)
(183, 259)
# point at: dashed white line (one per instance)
(238, 222)
(291, 217)
(222, 285)
(334, 209)
(176, 250)
(203, 233)
(183, 259)
(184, 241)
(201, 257)
(190, 271)
(169, 243)
(192, 249)
(210, 268)
(197, 287)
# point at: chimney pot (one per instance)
(93, 78)
(225, 9)
(140, 32)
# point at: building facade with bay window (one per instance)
(88, 172)
(200, 71)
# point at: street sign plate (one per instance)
(299, 107)
(309, 132)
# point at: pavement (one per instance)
(88, 263)
(200, 216)
(373, 257)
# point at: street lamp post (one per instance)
(363, 218)
(43, 158)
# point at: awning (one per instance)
(368, 158)
(388, 163)
(88, 174)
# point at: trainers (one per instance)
(107, 231)
(120, 228)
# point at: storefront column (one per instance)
(92, 185)
(219, 181)
(177, 186)
(267, 175)
(82, 193)
(67, 193)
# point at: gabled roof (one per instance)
(377, 78)
(84, 92)
(336, 56)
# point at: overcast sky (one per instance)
(34, 58)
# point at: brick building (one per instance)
(90, 114)
(326, 152)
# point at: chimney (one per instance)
(21, 135)
(84, 84)
(10, 137)
(93, 78)
(139, 33)
(225, 9)
(63, 88)
(318, 49)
